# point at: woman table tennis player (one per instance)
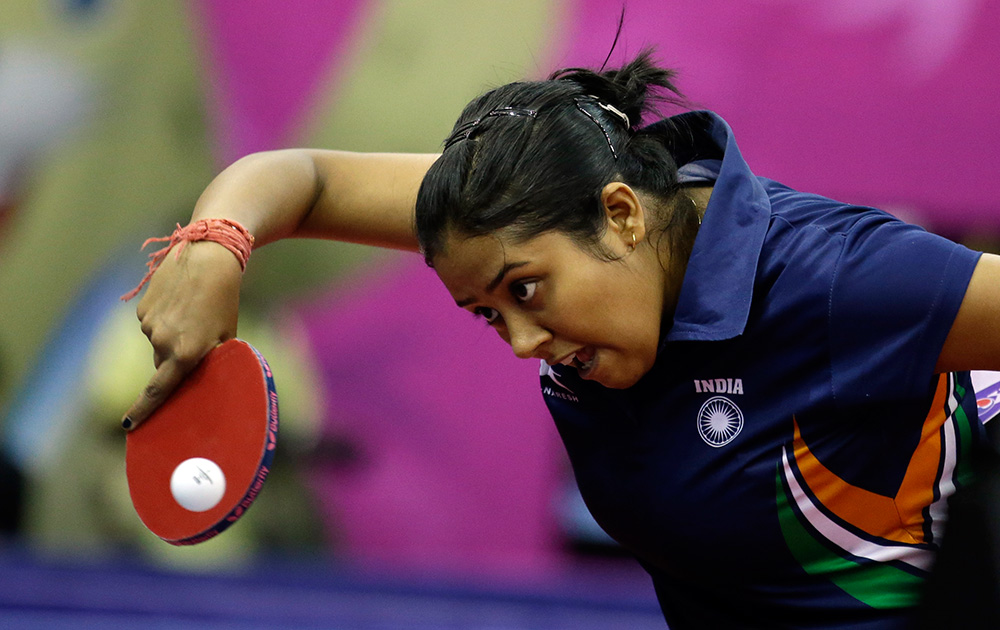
(764, 393)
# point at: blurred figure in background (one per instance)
(44, 97)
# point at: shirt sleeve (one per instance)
(894, 294)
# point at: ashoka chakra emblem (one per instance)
(719, 421)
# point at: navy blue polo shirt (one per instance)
(787, 460)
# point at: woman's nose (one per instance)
(526, 338)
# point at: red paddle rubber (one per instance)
(225, 411)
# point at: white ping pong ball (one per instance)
(198, 484)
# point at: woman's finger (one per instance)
(168, 376)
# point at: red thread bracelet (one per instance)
(225, 232)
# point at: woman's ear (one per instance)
(624, 212)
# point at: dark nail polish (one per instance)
(127, 423)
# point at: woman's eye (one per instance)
(489, 314)
(524, 291)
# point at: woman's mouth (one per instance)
(582, 359)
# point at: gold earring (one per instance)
(632, 247)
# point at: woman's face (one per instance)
(552, 300)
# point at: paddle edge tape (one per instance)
(267, 457)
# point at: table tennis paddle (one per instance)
(196, 464)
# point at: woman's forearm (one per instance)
(339, 195)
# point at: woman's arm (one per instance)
(192, 301)
(974, 340)
(358, 197)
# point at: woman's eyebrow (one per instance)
(494, 283)
(503, 272)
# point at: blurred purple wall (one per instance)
(265, 61)
(884, 102)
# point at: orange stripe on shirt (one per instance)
(868, 511)
(917, 489)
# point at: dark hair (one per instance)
(534, 156)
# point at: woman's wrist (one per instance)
(226, 232)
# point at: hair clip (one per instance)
(614, 110)
(512, 111)
(465, 130)
(579, 105)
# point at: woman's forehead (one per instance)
(499, 245)
(470, 255)
(474, 262)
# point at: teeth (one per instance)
(574, 361)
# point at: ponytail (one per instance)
(636, 89)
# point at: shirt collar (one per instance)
(715, 296)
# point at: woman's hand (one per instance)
(190, 306)
(191, 302)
